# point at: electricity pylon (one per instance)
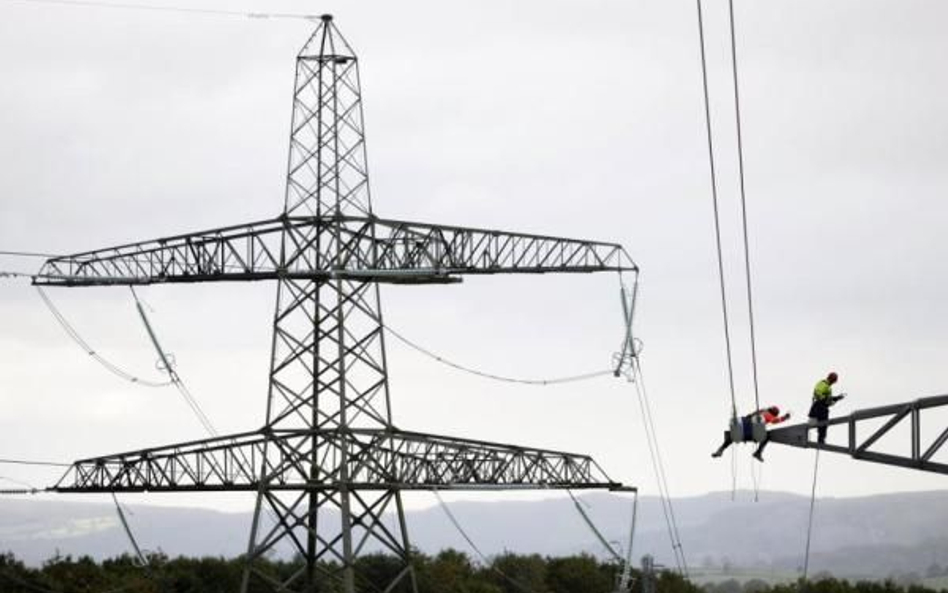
(329, 464)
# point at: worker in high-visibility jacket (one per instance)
(823, 398)
(769, 415)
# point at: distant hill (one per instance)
(871, 536)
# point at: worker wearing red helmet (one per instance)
(823, 399)
(769, 415)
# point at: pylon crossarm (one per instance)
(376, 460)
(240, 252)
(918, 450)
(347, 247)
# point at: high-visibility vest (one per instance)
(823, 391)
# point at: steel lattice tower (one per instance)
(329, 465)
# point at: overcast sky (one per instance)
(579, 119)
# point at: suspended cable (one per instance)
(82, 343)
(740, 166)
(26, 254)
(809, 528)
(637, 377)
(174, 9)
(717, 217)
(502, 378)
(457, 525)
(659, 468)
(29, 462)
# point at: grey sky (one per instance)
(576, 119)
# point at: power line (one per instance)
(717, 217)
(30, 462)
(174, 9)
(658, 466)
(502, 378)
(26, 253)
(740, 166)
(82, 343)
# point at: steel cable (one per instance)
(29, 462)
(658, 466)
(175, 9)
(717, 217)
(740, 166)
(82, 343)
(502, 378)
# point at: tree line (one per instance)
(450, 571)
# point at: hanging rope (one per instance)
(717, 217)
(740, 166)
(82, 343)
(809, 527)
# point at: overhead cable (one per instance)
(740, 165)
(717, 217)
(15, 253)
(29, 462)
(658, 466)
(82, 343)
(502, 378)
(175, 9)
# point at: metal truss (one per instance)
(328, 467)
(377, 460)
(860, 446)
(368, 249)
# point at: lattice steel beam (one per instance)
(378, 460)
(350, 247)
(860, 445)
